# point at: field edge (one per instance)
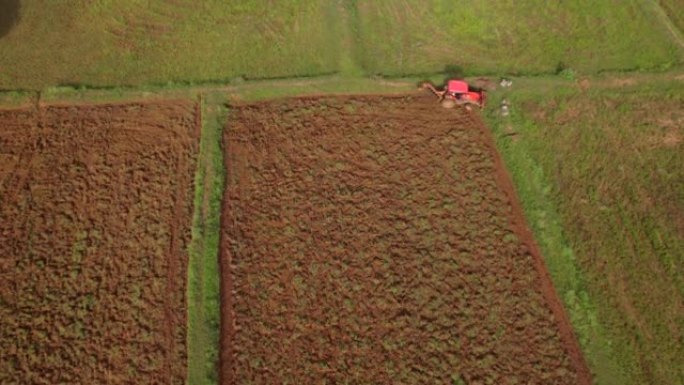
(558, 307)
(203, 275)
(533, 188)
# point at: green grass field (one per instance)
(600, 174)
(524, 37)
(133, 42)
(108, 43)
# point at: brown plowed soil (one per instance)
(95, 209)
(377, 240)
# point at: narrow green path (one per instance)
(203, 273)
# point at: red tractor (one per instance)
(458, 93)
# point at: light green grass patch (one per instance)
(401, 37)
(108, 43)
(133, 42)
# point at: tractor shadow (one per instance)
(452, 71)
(9, 15)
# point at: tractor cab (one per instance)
(461, 92)
(455, 87)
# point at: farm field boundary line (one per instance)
(227, 325)
(109, 103)
(521, 227)
(203, 275)
(174, 249)
(272, 88)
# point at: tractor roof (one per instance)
(457, 86)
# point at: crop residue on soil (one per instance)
(95, 207)
(372, 240)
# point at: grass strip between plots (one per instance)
(203, 273)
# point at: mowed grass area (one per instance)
(400, 37)
(133, 42)
(599, 170)
(108, 43)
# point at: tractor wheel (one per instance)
(448, 103)
(468, 104)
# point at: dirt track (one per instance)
(377, 240)
(95, 208)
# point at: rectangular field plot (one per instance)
(95, 208)
(377, 240)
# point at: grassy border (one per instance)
(203, 272)
(534, 192)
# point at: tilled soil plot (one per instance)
(376, 240)
(95, 209)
